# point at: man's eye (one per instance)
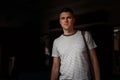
(62, 18)
(69, 17)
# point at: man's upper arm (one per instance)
(90, 41)
(55, 52)
(93, 54)
(56, 61)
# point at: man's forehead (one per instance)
(65, 14)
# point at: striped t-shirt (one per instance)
(72, 52)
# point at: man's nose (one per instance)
(66, 20)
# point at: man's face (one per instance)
(66, 20)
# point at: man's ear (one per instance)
(74, 20)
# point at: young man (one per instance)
(69, 52)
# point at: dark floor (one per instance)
(43, 75)
(46, 76)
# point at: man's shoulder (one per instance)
(58, 38)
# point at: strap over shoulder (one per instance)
(83, 33)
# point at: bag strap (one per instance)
(88, 53)
(83, 34)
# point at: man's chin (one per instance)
(66, 28)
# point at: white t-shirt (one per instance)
(72, 52)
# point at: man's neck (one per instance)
(69, 32)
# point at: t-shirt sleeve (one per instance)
(90, 41)
(55, 52)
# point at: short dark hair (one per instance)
(66, 9)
